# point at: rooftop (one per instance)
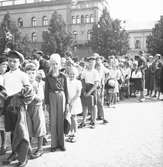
(4, 3)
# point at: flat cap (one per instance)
(16, 54)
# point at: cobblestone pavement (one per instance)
(132, 138)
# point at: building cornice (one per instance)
(35, 5)
(139, 30)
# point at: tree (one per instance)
(155, 40)
(10, 36)
(108, 37)
(56, 39)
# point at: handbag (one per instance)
(90, 100)
(67, 122)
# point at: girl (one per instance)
(74, 90)
(56, 97)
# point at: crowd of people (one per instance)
(66, 88)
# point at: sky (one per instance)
(138, 14)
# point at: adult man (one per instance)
(102, 71)
(142, 64)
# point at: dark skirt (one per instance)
(56, 117)
(137, 83)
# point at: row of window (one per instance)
(75, 20)
(83, 19)
(33, 21)
(76, 34)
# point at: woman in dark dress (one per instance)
(56, 99)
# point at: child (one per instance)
(35, 117)
(3, 68)
(74, 90)
(20, 93)
(56, 100)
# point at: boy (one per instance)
(19, 93)
(35, 114)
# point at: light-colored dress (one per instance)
(74, 86)
(114, 74)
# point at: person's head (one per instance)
(63, 62)
(15, 59)
(40, 75)
(157, 57)
(135, 65)
(31, 71)
(37, 55)
(150, 58)
(99, 59)
(126, 64)
(55, 63)
(91, 62)
(3, 64)
(73, 73)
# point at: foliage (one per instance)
(155, 40)
(56, 39)
(108, 37)
(10, 36)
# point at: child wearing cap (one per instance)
(3, 68)
(35, 114)
(19, 93)
(91, 81)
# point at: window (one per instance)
(33, 22)
(20, 22)
(87, 19)
(89, 33)
(77, 19)
(75, 34)
(44, 21)
(34, 37)
(137, 44)
(82, 19)
(73, 20)
(92, 18)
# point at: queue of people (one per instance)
(66, 89)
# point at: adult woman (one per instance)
(56, 96)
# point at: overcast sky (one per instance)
(137, 13)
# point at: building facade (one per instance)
(138, 38)
(32, 16)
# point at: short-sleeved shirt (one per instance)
(14, 81)
(91, 76)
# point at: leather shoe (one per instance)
(105, 121)
(62, 149)
(38, 153)
(32, 156)
(11, 158)
(22, 164)
(53, 149)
